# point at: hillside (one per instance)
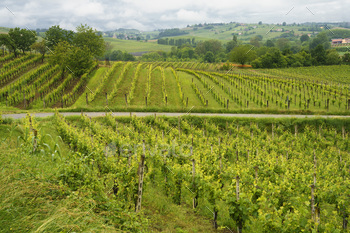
(4, 30)
(222, 32)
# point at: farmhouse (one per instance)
(336, 41)
(340, 41)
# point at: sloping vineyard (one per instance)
(28, 83)
(173, 86)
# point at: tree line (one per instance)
(288, 50)
(72, 51)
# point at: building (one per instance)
(346, 41)
(340, 41)
(337, 41)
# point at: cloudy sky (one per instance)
(154, 14)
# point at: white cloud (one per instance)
(152, 14)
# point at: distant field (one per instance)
(132, 46)
(224, 32)
(339, 74)
(4, 30)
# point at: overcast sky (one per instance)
(155, 14)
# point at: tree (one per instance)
(269, 43)
(152, 56)
(79, 61)
(55, 34)
(284, 24)
(209, 57)
(128, 57)
(271, 60)
(61, 55)
(319, 55)
(116, 55)
(305, 58)
(332, 58)
(304, 38)
(87, 38)
(321, 39)
(231, 44)
(186, 53)
(108, 46)
(260, 22)
(40, 47)
(242, 54)
(346, 58)
(20, 39)
(71, 58)
(283, 43)
(6, 41)
(255, 41)
(213, 46)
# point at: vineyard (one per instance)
(244, 175)
(26, 83)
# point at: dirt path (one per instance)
(143, 114)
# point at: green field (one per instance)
(222, 33)
(4, 30)
(133, 46)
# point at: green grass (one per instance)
(4, 30)
(100, 100)
(172, 89)
(140, 88)
(185, 81)
(156, 97)
(92, 85)
(124, 87)
(133, 46)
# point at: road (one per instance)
(142, 114)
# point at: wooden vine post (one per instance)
(140, 173)
(313, 203)
(126, 100)
(24, 100)
(195, 201)
(316, 208)
(256, 173)
(239, 228)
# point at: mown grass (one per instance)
(156, 96)
(133, 46)
(172, 89)
(91, 86)
(140, 91)
(124, 87)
